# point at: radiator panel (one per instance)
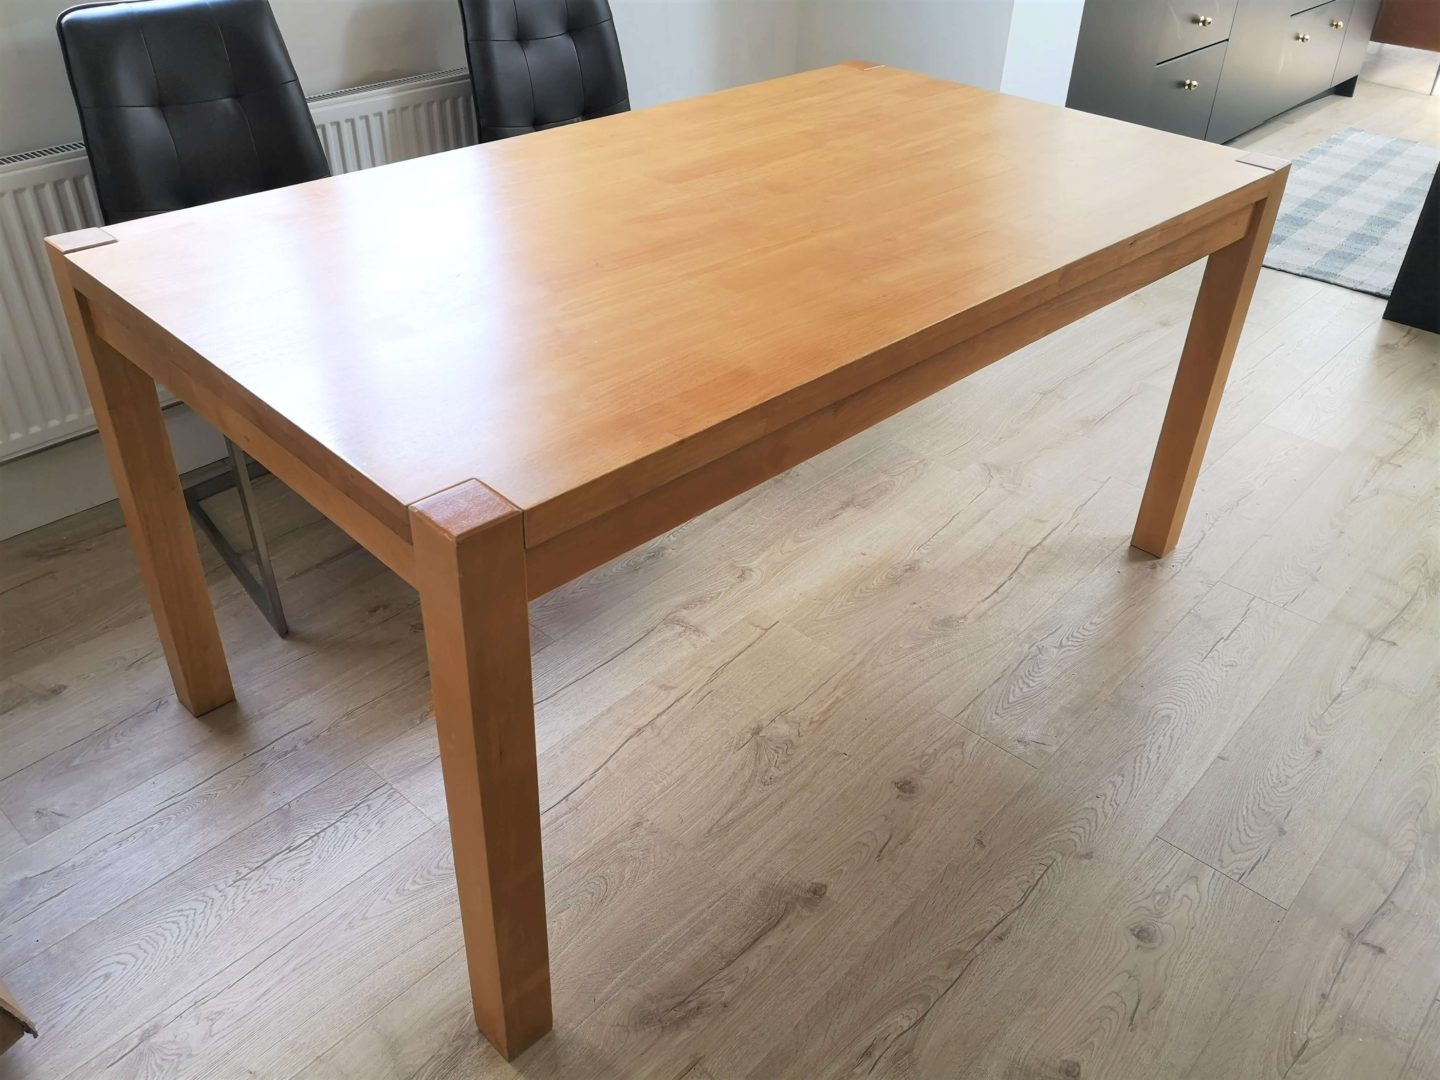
(42, 397)
(363, 128)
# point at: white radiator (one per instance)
(43, 192)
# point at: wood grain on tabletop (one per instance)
(599, 304)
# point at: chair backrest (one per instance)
(542, 63)
(185, 102)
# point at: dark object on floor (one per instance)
(13, 1021)
(1415, 299)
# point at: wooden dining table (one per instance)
(499, 367)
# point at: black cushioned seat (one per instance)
(185, 102)
(542, 63)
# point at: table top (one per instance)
(575, 316)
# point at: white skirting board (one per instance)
(63, 480)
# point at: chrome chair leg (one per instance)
(261, 584)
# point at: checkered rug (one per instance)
(1350, 208)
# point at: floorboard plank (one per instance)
(981, 938)
(122, 969)
(1423, 1062)
(70, 877)
(1268, 805)
(121, 742)
(1346, 983)
(1374, 375)
(1148, 978)
(1041, 686)
(818, 883)
(1350, 515)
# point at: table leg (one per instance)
(132, 430)
(1215, 325)
(470, 569)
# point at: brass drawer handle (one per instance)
(1204, 20)
(1336, 24)
(1190, 84)
(1302, 38)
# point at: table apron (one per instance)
(553, 562)
(596, 541)
(152, 351)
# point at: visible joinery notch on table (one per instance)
(1264, 161)
(79, 240)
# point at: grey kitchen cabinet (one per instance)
(1215, 69)
(1184, 91)
(1183, 26)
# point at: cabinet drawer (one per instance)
(1311, 48)
(1182, 92)
(1186, 25)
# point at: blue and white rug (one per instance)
(1349, 209)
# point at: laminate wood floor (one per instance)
(903, 764)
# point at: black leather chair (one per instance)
(184, 102)
(538, 64)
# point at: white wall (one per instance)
(335, 43)
(680, 48)
(673, 48)
(962, 40)
(35, 108)
(1040, 49)
(1023, 47)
